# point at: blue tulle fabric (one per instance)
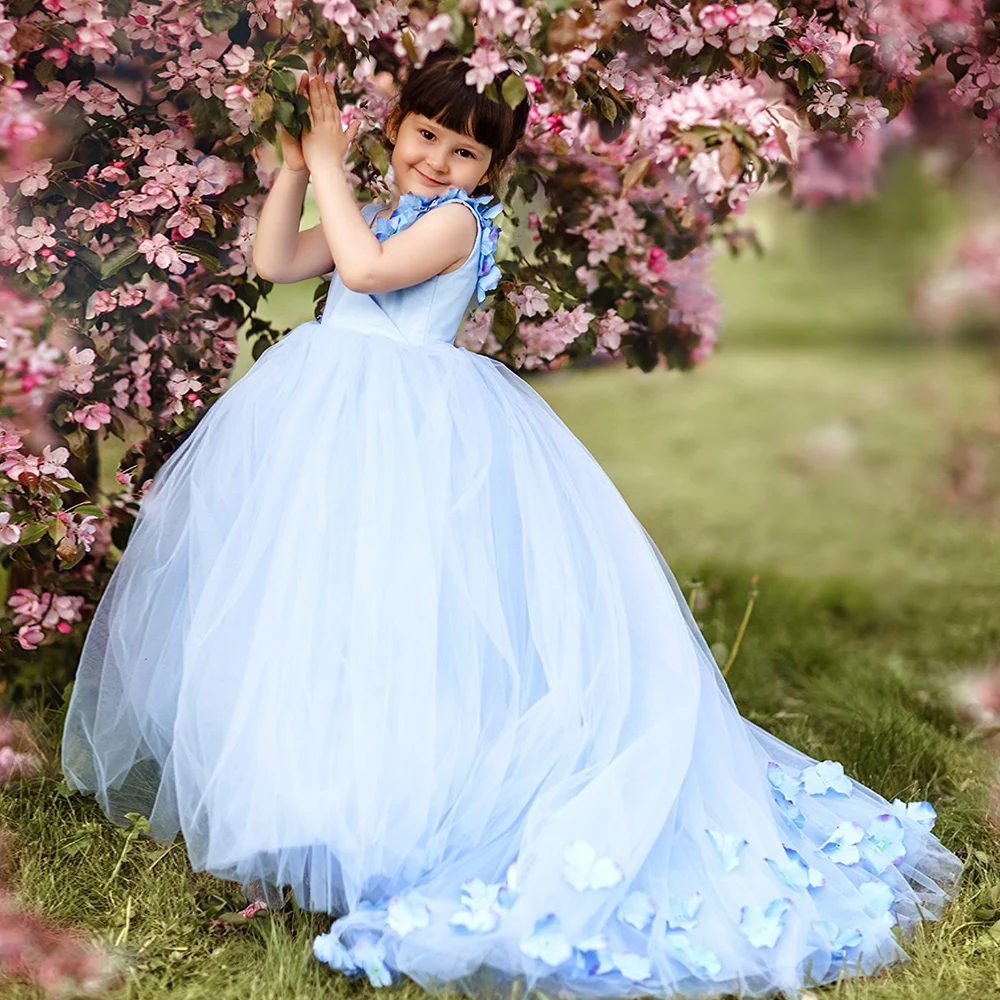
(385, 633)
(411, 206)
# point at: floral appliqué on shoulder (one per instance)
(411, 206)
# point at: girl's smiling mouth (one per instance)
(428, 179)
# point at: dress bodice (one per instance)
(432, 311)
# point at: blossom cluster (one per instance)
(57, 960)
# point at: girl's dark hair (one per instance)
(438, 90)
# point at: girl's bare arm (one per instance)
(280, 252)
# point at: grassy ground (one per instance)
(812, 451)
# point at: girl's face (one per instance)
(429, 158)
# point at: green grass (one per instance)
(874, 590)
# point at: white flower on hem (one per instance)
(407, 914)
(728, 846)
(637, 909)
(546, 942)
(585, 870)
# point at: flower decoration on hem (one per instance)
(407, 913)
(479, 914)
(547, 942)
(838, 942)
(827, 776)
(883, 844)
(367, 955)
(632, 966)
(763, 925)
(585, 870)
(637, 909)
(794, 871)
(784, 784)
(593, 956)
(411, 206)
(728, 846)
(916, 812)
(701, 961)
(842, 844)
(682, 914)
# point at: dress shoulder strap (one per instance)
(411, 206)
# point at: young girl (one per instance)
(385, 633)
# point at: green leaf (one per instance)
(293, 61)
(816, 62)
(221, 22)
(379, 158)
(117, 259)
(260, 345)
(45, 71)
(504, 320)
(408, 44)
(262, 107)
(207, 260)
(514, 90)
(70, 563)
(88, 509)
(90, 260)
(284, 111)
(283, 81)
(31, 533)
(57, 529)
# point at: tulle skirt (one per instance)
(386, 634)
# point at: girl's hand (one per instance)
(292, 157)
(326, 140)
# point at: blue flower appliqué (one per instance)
(411, 206)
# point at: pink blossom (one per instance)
(530, 301)
(33, 177)
(78, 374)
(81, 531)
(656, 260)
(15, 764)
(10, 534)
(93, 416)
(53, 462)
(611, 327)
(29, 636)
(486, 63)
(101, 302)
(707, 170)
(239, 60)
(94, 39)
(158, 250)
(866, 116)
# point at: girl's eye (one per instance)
(425, 131)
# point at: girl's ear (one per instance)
(392, 125)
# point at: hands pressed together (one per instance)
(326, 140)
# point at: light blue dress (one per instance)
(386, 633)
